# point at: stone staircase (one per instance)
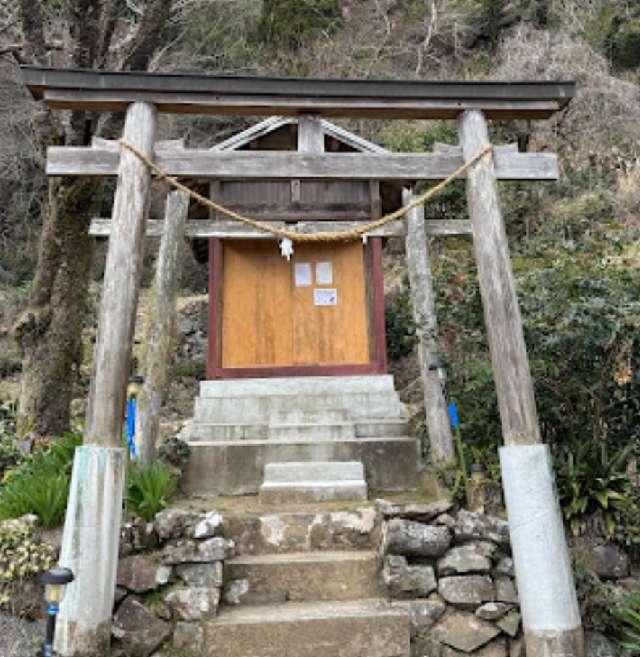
(311, 588)
(241, 425)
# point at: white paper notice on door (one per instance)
(324, 273)
(302, 274)
(325, 296)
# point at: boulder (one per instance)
(505, 567)
(478, 526)
(137, 629)
(516, 648)
(446, 520)
(467, 591)
(410, 538)
(609, 561)
(193, 604)
(210, 525)
(470, 558)
(491, 611)
(423, 614)
(510, 624)
(188, 551)
(597, 645)
(208, 575)
(404, 580)
(141, 573)
(235, 590)
(506, 590)
(413, 510)
(175, 523)
(463, 631)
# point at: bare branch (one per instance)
(147, 37)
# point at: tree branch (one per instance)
(147, 36)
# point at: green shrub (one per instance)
(399, 324)
(629, 615)
(40, 483)
(149, 488)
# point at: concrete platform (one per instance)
(236, 467)
(365, 628)
(307, 576)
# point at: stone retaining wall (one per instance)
(454, 574)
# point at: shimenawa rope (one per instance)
(329, 236)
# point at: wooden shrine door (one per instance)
(310, 310)
(310, 315)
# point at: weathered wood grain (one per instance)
(112, 354)
(81, 161)
(429, 352)
(497, 286)
(161, 334)
(201, 228)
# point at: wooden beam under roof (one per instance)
(252, 95)
(264, 165)
(205, 228)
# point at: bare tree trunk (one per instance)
(50, 330)
(161, 335)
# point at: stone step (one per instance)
(302, 531)
(260, 409)
(236, 467)
(366, 628)
(292, 472)
(297, 385)
(307, 576)
(315, 431)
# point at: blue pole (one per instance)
(131, 426)
(52, 612)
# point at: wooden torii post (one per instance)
(550, 613)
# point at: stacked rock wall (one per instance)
(454, 574)
(170, 578)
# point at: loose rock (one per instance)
(516, 648)
(510, 624)
(402, 579)
(413, 511)
(423, 614)
(194, 603)
(140, 573)
(463, 631)
(139, 631)
(410, 538)
(497, 648)
(471, 558)
(208, 575)
(174, 523)
(188, 637)
(467, 591)
(609, 561)
(210, 525)
(597, 645)
(505, 567)
(506, 590)
(493, 610)
(478, 526)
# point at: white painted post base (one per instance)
(550, 613)
(90, 549)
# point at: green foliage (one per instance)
(399, 324)
(40, 483)
(149, 488)
(174, 451)
(292, 23)
(591, 480)
(629, 615)
(21, 555)
(10, 455)
(598, 601)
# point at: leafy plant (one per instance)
(399, 324)
(591, 480)
(629, 614)
(149, 488)
(174, 451)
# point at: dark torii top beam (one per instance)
(249, 95)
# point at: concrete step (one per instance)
(262, 533)
(260, 409)
(297, 385)
(366, 628)
(301, 416)
(236, 467)
(315, 431)
(307, 576)
(381, 427)
(313, 481)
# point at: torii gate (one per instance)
(550, 613)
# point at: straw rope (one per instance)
(329, 236)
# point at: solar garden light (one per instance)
(54, 581)
(135, 386)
